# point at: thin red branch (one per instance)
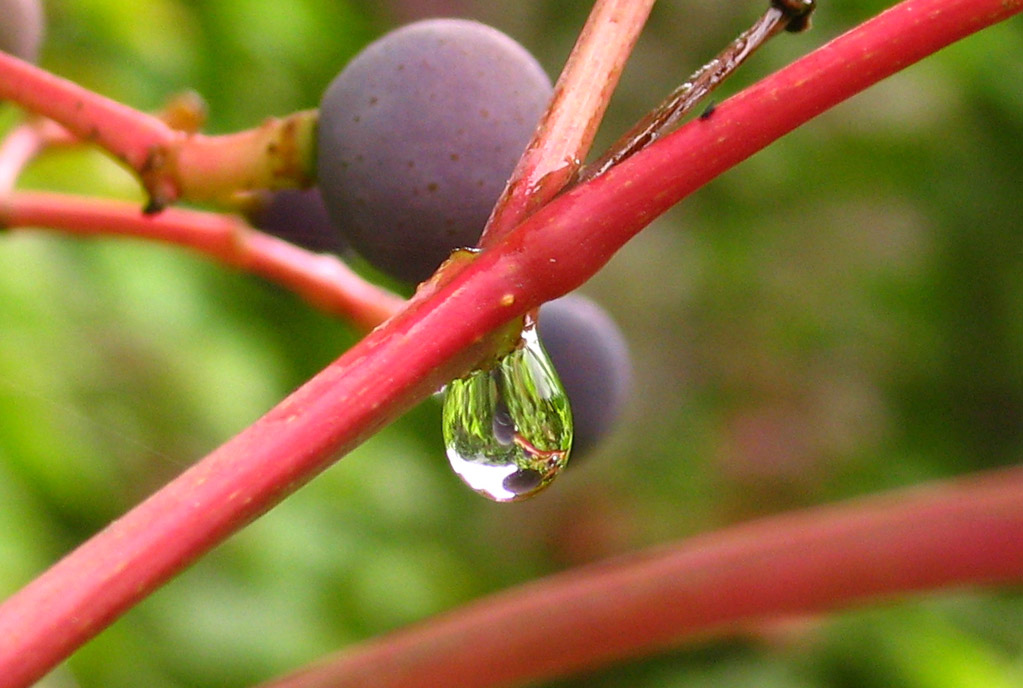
(577, 107)
(323, 280)
(955, 533)
(128, 134)
(171, 164)
(406, 359)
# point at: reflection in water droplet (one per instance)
(504, 426)
(523, 481)
(508, 430)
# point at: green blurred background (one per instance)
(840, 315)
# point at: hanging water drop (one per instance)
(508, 429)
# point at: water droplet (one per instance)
(508, 429)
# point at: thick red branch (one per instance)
(948, 534)
(403, 361)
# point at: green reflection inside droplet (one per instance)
(508, 429)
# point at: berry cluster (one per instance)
(417, 137)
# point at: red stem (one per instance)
(171, 164)
(127, 133)
(323, 280)
(405, 360)
(948, 534)
(577, 107)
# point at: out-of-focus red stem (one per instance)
(955, 533)
(566, 130)
(23, 143)
(438, 338)
(16, 150)
(323, 280)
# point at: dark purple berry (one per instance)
(298, 216)
(592, 359)
(21, 28)
(418, 135)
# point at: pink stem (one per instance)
(171, 164)
(577, 107)
(321, 279)
(129, 134)
(407, 358)
(949, 534)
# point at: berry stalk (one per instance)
(782, 15)
(439, 337)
